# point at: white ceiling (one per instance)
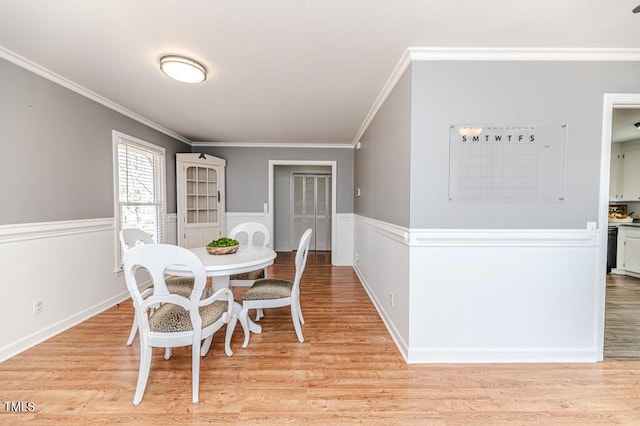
(623, 129)
(281, 71)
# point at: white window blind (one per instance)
(140, 192)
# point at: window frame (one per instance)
(160, 179)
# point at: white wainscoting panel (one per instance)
(503, 304)
(483, 295)
(68, 266)
(171, 229)
(344, 240)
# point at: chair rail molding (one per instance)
(38, 230)
(395, 232)
(502, 238)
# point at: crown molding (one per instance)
(400, 68)
(314, 145)
(415, 54)
(66, 83)
(522, 54)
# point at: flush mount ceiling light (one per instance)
(183, 69)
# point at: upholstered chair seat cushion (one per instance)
(180, 285)
(170, 318)
(253, 275)
(269, 288)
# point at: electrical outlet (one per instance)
(38, 307)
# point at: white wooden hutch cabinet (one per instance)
(201, 198)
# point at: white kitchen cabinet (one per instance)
(628, 254)
(615, 177)
(631, 175)
(200, 184)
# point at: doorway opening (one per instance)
(312, 185)
(620, 287)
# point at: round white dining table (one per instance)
(221, 267)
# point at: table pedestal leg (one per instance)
(220, 282)
(253, 327)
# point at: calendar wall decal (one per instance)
(507, 163)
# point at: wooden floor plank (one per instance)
(348, 371)
(622, 318)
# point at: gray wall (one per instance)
(248, 173)
(504, 93)
(57, 162)
(381, 166)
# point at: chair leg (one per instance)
(259, 314)
(195, 369)
(295, 315)
(231, 326)
(244, 321)
(143, 374)
(134, 329)
(206, 346)
(167, 353)
(296, 297)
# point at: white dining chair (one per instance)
(177, 320)
(273, 293)
(131, 237)
(250, 234)
(253, 233)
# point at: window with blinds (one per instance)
(140, 193)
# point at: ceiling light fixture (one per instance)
(637, 125)
(183, 69)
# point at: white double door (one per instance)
(311, 208)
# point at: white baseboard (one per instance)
(499, 355)
(617, 271)
(395, 335)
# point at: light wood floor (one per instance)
(622, 318)
(348, 371)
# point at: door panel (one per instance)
(311, 208)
